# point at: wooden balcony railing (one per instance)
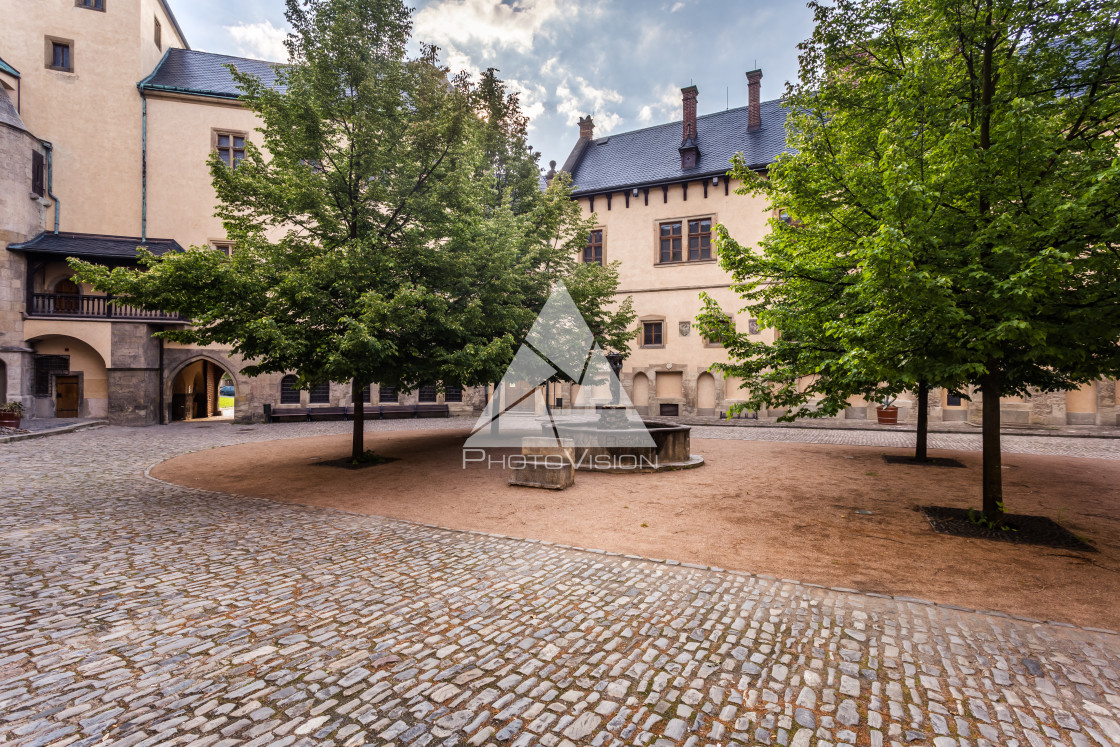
(91, 307)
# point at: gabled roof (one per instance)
(205, 74)
(93, 246)
(651, 156)
(6, 68)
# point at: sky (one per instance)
(622, 61)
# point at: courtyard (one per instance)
(136, 611)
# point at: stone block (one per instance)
(544, 463)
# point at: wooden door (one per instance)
(66, 396)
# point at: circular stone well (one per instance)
(624, 450)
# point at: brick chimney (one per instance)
(754, 111)
(586, 128)
(690, 152)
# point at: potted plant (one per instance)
(10, 414)
(887, 412)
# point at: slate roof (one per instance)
(650, 156)
(90, 245)
(9, 115)
(205, 74)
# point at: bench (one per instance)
(396, 412)
(329, 413)
(433, 411)
(272, 414)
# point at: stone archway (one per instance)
(192, 390)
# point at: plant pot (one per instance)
(9, 420)
(887, 415)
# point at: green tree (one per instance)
(370, 246)
(953, 187)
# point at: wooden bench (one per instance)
(396, 412)
(329, 413)
(432, 410)
(294, 413)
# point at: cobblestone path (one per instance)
(134, 612)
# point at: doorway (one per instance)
(67, 396)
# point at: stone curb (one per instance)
(890, 429)
(659, 561)
(52, 431)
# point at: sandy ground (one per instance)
(782, 509)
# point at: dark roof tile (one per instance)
(650, 156)
(92, 246)
(206, 74)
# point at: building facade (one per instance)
(656, 194)
(107, 118)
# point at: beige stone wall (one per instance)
(91, 115)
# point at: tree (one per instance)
(370, 246)
(953, 183)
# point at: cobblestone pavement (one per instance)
(135, 612)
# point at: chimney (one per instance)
(586, 128)
(754, 111)
(690, 152)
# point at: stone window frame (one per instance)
(642, 332)
(217, 132)
(711, 216)
(98, 5)
(225, 246)
(50, 42)
(319, 393)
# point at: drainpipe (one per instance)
(162, 403)
(143, 167)
(50, 180)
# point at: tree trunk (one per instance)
(993, 463)
(923, 422)
(359, 444)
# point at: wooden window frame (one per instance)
(217, 134)
(671, 237)
(685, 236)
(646, 323)
(98, 5)
(589, 254)
(38, 174)
(51, 41)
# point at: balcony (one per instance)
(74, 306)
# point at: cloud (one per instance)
(531, 97)
(489, 25)
(667, 108)
(578, 97)
(676, 7)
(262, 41)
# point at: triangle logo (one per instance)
(559, 342)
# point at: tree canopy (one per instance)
(391, 228)
(951, 189)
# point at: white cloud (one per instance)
(531, 96)
(580, 97)
(676, 7)
(667, 108)
(457, 60)
(488, 24)
(262, 41)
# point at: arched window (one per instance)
(320, 394)
(289, 392)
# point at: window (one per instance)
(225, 247)
(593, 252)
(320, 394)
(785, 217)
(427, 394)
(60, 54)
(289, 392)
(387, 394)
(90, 4)
(45, 365)
(453, 394)
(671, 242)
(699, 239)
(231, 148)
(158, 35)
(37, 168)
(718, 340)
(366, 393)
(653, 334)
(953, 400)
